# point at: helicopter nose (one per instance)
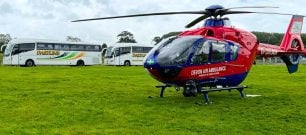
(160, 73)
(150, 62)
(151, 66)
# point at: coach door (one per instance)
(15, 55)
(116, 58)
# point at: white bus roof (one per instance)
(129, 44)
(28, 40)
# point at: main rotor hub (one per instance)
(213, 10)
(214, 7)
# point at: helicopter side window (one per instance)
(218, 52)
(234, 52)
(202, 54)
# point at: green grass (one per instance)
(114, 100)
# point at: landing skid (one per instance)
(163, 87)
(206, 91)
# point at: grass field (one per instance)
(114, 100)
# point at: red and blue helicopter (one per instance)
(217, 56)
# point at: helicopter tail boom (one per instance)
(291, 49)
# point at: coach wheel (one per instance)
(127, 63)
(29, 63)
(80, 63)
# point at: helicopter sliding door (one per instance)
(212, 51)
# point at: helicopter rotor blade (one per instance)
(236, 12)
(275, 13)
(211, 11)
(250, 12)
(138, 15)
(250, 7)
(195, 21)
(225, 10)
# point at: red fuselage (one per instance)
(210, 73)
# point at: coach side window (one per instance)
(77, 48)
(26, 47)
(98, 48)
(125, 50)
(65, 47)
(93, 48)
(49, 46)
(40, 46)
(146, 49)
(44, 46)
(137, 49)
(57, 47)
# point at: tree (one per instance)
(104, 45)
(126, 37)
(156, 40)
(170, 34)
(73, 39)
(4, 39)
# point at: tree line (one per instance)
(128, 37)
(263, 37)
(273, 38)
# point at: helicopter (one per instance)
(216, 56)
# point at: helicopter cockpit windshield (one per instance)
(175, 51)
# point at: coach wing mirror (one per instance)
(15, 50)
(3, 48)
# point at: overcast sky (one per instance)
(50, 19)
